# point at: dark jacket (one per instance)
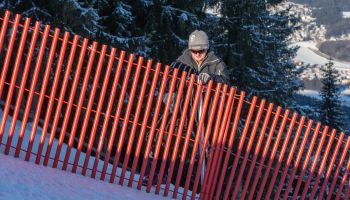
(212, 65)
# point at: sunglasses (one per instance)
(198, 51)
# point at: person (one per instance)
(199, 59)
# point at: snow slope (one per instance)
(26, 180)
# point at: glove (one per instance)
(204, 77)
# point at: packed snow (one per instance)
(26, 180)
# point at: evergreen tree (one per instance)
(330, 106)
(253, 37)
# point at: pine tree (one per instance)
(330, 106)
(252, 37)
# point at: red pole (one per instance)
(257, 150)
(197, 138)
(290, 156)
(128, 112)
(22, 87)
(171, 131)
(8, 58)
(80, 103)
(97, 115)
(136, 120)
(43, 87)
(212, 153)
(249, 147)
(12, 86)
(187, 139)
(319, 149)
(60, 102)
(337, 171)
(162, 129)
(70, 102)
(299, 156)
(331, 164)
(144, 124)
(88, 111)
(90, 104)
(263, 156)
(179, 134)
(342, 182)
(153, 127)
(206, 138)
(230, 145)
(273, 154)
(323, 163)
(4, 28)
(117, 117)
(89, 107)
(58, 109)
(280, 158)
(108, 113)
(99, 111)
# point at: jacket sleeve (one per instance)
(221, 74)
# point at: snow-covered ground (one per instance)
(308, 54)
(26, 180)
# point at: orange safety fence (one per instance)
(107, 114)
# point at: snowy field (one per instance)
(26, 180)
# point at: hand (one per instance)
(204, 77)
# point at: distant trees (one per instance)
(330, 106)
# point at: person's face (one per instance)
(199, 55)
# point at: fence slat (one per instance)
(249, 147)
(273, 154)
(89, 108)
(153, 127)
(162, 129)
(80, 103)
(171, 131)
(280, 157)
(299, 157)
(330, 168)
(14, 77)
(62, 133)
(263, 156)
(323, 163)
(179, 134)
(8, 58)
(319, 149)
(99, 110)
(213, 151)
(117, 117)
(337, 171)
(136, 120)
(109, 111)
(22, 87)
(127, 115)
(42, 90)
(5, 22)
(88, 111)
(61, 98)
(257, 150)
(207, 134)
(197, 138)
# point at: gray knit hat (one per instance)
(198, 40)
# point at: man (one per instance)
(200, 60)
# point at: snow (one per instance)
(346, 14)
(26, 180)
